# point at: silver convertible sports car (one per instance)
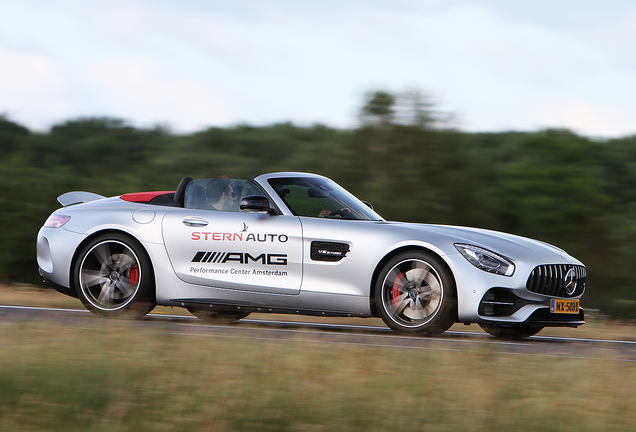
(299, 243)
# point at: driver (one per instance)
(336, 213)
(220, 193)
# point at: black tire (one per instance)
(113, 277)
(510, 332)
(415, 292)
(211, 317)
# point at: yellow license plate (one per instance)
(560, 306)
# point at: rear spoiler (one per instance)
(70, 198)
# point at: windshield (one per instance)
(315, 197)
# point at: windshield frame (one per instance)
(323, 187)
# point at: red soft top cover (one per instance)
(143, 197)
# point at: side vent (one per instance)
(328, 251)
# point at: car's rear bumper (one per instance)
(59, 288)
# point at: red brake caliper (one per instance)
(134, 275)
(395, 292)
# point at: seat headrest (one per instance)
(179, 195)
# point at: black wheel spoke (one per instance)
(92, 278)
(418, 274)
(401, 304)
(106, 292)
(126, 287)
(124, 261)
(394, 277)
(102, 253)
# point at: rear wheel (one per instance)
(211, 317)
(510, 332)
(415, 292)
(113, 277)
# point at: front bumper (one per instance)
(504, 305)
(523, 299)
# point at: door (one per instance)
(235, 250)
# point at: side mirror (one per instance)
(256, 203)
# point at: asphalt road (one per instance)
(187, 326)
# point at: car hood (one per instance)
(509, 245)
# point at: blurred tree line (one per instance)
(555, 186)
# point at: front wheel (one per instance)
(113, 277)
(415, 292)
(510, 332)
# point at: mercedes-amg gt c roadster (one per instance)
(301, 244)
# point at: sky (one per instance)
(493, 65)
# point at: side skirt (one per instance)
(236, 306)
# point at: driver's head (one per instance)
(219, 192)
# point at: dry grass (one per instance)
(119, 376)
(38, 296)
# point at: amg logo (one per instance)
(239, 258)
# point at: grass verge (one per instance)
(121, 376)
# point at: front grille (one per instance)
(550, 280)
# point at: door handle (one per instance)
(195, 222)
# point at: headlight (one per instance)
(486, 260)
